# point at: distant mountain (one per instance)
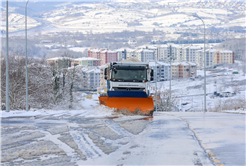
(37, 8)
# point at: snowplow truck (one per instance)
(127, 87)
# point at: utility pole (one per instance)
(27, 106)
(170, 78)
(192, 103)
(204, 59)
(155, 85)
(7, 56)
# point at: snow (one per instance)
(220, 133)
(93, 134)
(85, 136)
(78, 49)
(86, 58)
(86, 108)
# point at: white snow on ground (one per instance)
(192, 92)
(222, 134)
(190, 137)
(78, 49)
(162, 140)
(86, 108)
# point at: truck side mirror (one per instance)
(152, 75)
(105, 73)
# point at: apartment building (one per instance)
(162, 70)
(192, 69)
(175, 70)
(85, 61)
(145, 55)
(105, 55)
(223, 56)
(59, 62)
(86, 77)
(178, 53)
(94, 53)
(214, 57)
(209, 55)
(183, 70)
(91, 77)
(151, 48)
(130, 53)
(103, 82)
(190, 53)
(121, 54)
(155, 49)
(112, 56)
(199, 58)
(162, 52)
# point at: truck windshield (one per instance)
(129, 75)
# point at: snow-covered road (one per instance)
(222, 135)
(85, 138)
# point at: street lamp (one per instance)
(26, 59)
(155, 84)
(204, 62)
(170, 93)
(7, 57)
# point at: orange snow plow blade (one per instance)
(145, 105)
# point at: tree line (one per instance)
(47, 87)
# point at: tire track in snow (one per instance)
(54, 138)
(85, 144)
(116, 128)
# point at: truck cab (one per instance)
(128, 76)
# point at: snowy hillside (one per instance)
(17, 22)
(119, 15)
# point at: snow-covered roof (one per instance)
(163, 64)
(211, 50)
(225, 51)
(152, 47)
(158, 64)
(104, 51)
(146, 50)
(176, 46)
(139, 50)
(152, 64)
(176, 63)
(111, 51)
(95, 50)
(95, 70)
(163, 45)
(129, 50)
(184, 63)
(194, 47)
(87, 59)
(56, 58)
(191, 63)
(141, 46)
(120, 49)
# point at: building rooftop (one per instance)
(146, 50)
(152, 47)
(191, 63)
(56, 58)
(225, 51)
(87, 59)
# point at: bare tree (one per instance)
(39, 83)
(163, 99)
